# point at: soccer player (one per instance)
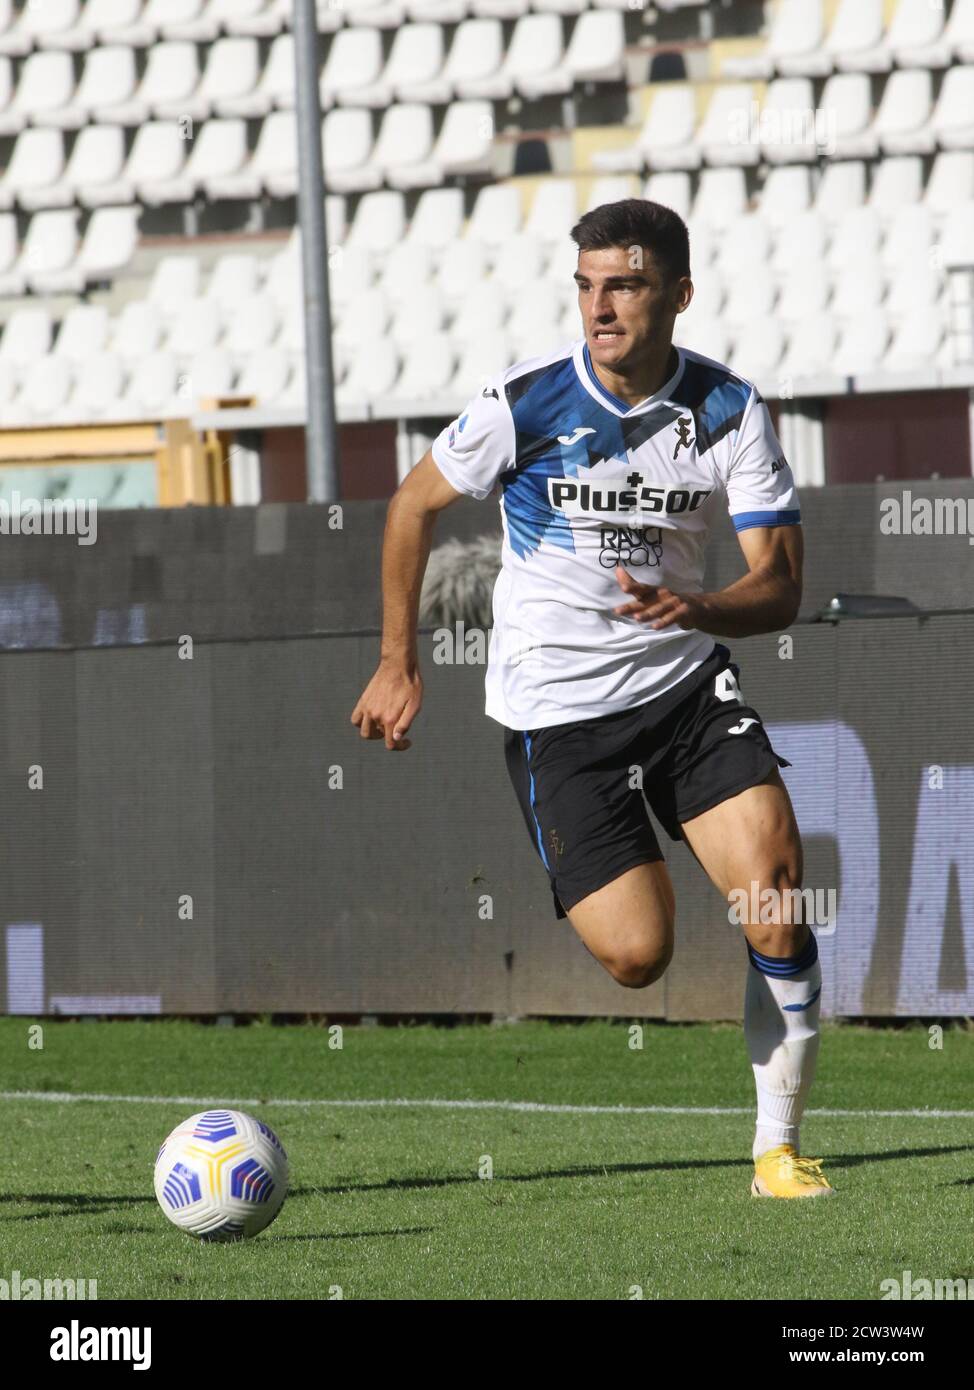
(613, 455)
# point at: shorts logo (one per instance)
(630, 545)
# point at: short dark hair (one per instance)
(637, 222)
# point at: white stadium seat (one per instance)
(482, 310)
(856, 237)
(351, 272)
(896, 180)
(235, 277)
(26, 338)
(786, 190)
(595, 53)
(859, 288)
(475, 56)
(959, 33)
(137, 330)
(496, 215)
(264, 375)
(489, 354)
(957, 236)
(800, 245)
(110, 21)
(83, 332)
(725, 131)
(748, 303)
(856, 40)
(416, 59)
(407, 273)
(428, 373)
(50, 245)
(98, 387)
(209, 374)
(847, 113)
(272, 166)
(44, 392)
(152, 387)
(8, 240)
(916, 342)
(744, 246)
(110, 242)
(380, 222)
(953, 120)
(916, 35)
(261, 23)
(862, 343)
(672, 189)
(218, 152)
(500, 9)
(171, 76)
(534, 53)
(373, 374)
(404, 145)
(37, 162)
(842, 186)
(252, 326)
(41, 22)
(758, 348)
(108, 85)
(437, 219)
(274, 87)
(554, 209)
(175, 282)
(417, 320)
(909, 241)
(354, 62)
(384, 14)
(902, 124)
(520, 261)
(347, 143)
(96, 166)
(231, 73)
(195, 326)
(788, 127)
(811, 346)
(46, 86)
(793, 48)
(721, 194)
(951, 180)
(666, 140)
(801, 298)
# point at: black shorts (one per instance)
(577, 784)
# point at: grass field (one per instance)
(386, 1201)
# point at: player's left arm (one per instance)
(764, 507)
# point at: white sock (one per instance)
(781, 1012)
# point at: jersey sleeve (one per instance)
(760, 488)
(479, 445)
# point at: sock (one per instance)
(781, 1011)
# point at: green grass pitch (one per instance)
(387, 1202)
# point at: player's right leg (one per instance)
(628, 925)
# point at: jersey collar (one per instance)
(586, 375)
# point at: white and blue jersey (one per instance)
(587, 483)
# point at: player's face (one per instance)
(628, 305)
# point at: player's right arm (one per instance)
(394, 695)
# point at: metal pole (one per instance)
(321, 436)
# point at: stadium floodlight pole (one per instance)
(321, 436)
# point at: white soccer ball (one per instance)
(221, 1175)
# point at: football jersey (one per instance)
(588, 482)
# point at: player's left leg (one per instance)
(750, 843)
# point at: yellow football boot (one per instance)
(781, 1173)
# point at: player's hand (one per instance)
(657, 606)
(389, 704)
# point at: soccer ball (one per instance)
(221, 1175)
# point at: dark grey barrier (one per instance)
(187, 835)
(245, 572)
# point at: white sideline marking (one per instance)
(532, 1106)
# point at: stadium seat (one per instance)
(416, 320)
(847, 114)
(481, 310)
(672, 189)
(261, 23)
(793, 47)
(46, 86)
(209, 373)
(499, 9)
(902, 124)
(364, 320)
(721, 194)
(916, 341)
(158, 151)
(137, 330)
(84, 331)
(382, 14)
(231, 73)
(109, 243)
(439, 11)
(800, 245)
(264, 375)
(786, 190)
(957, 236)
(120, 21)
(95, 174)
(744, 246)
(436, 218)
(909, 240)
(801, 298)
(491, 353)
(475, 57)
(26, 338)
(351, 272)
(862, 343)
(595, 53)
(842, 187)
(108, 85)
(199, 21)
(274, 87)
(8, 240)
(951, 180)
(519, 262)
(725, 135)
(273, 166)
(896, 180)
(37, 162)
(554, 209)
(666, 140)
(534, 51)
(372, 374)
(98, 387)
(758, 349)
(707, 336)
(464, 145)
(496, 216)
(461, 269)
(40, 25)
(407, 273)
(253, 325)
(195, 325)
(354, 63)
(175, 282)
(428, 373)
(235, 277)
(171, 76)
(283, 281)
(43, 394)
(856, 40)
(959, 33)
(218, 152)
(953, 119)
(49, 246)
(404, 145)
(748, 303)
(909, 294)
(859, 288)
(380, 222)
(152, 387)
(916, 35)
(811, 346)
(856, 237)
(347, 143)
(788, 122)
(415, 60)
